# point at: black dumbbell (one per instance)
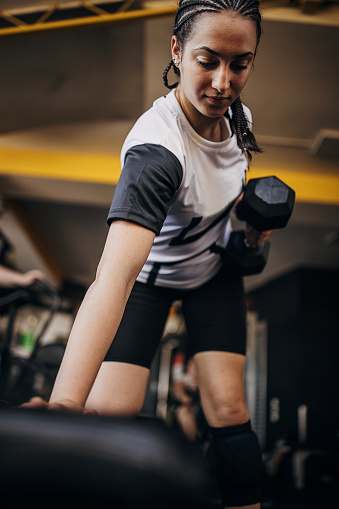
(267, 204)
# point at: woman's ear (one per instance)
(175, 50)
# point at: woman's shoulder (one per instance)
(157, 126)
(157, 119)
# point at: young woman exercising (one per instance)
(184, 167)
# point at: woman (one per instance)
(184, 168)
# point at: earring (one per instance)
(175, 61)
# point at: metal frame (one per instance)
(19, 26)
(99, 15)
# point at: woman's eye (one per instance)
(239, 67)
(206, 64)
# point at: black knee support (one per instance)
(238, 464)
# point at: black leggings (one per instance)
(215, 317)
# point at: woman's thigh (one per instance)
(120, 385)
(119, 389)
(215, 315)
(141, 327)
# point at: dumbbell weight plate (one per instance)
(267, 203)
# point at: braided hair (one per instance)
(183, 25)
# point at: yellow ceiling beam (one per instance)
(311, 187)
(97, 19)
(60, 165)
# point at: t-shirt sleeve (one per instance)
(149, 180)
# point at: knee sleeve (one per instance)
(238, 464)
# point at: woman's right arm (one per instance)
(125, 252)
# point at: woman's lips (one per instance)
(218, 100)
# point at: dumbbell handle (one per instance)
(246, 260)
(254, 238)
(247, 245)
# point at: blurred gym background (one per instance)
(75, 77)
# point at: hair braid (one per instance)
(239, 124)
(164, 76)
(190, 9)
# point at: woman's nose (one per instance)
(222, 79)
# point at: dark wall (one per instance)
(301, 310)
(71, 76)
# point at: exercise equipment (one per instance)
(18, 375)
(267, 204)
(122, 463)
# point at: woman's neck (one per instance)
(213, 132)
(211, 129)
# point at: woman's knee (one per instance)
(226, 411)
(221, 388)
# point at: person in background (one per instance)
(184, 392)
(10, 278)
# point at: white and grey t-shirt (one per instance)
(182, 187)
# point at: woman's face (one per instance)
(214, 65)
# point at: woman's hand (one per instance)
(63, 405)
(254, 237)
